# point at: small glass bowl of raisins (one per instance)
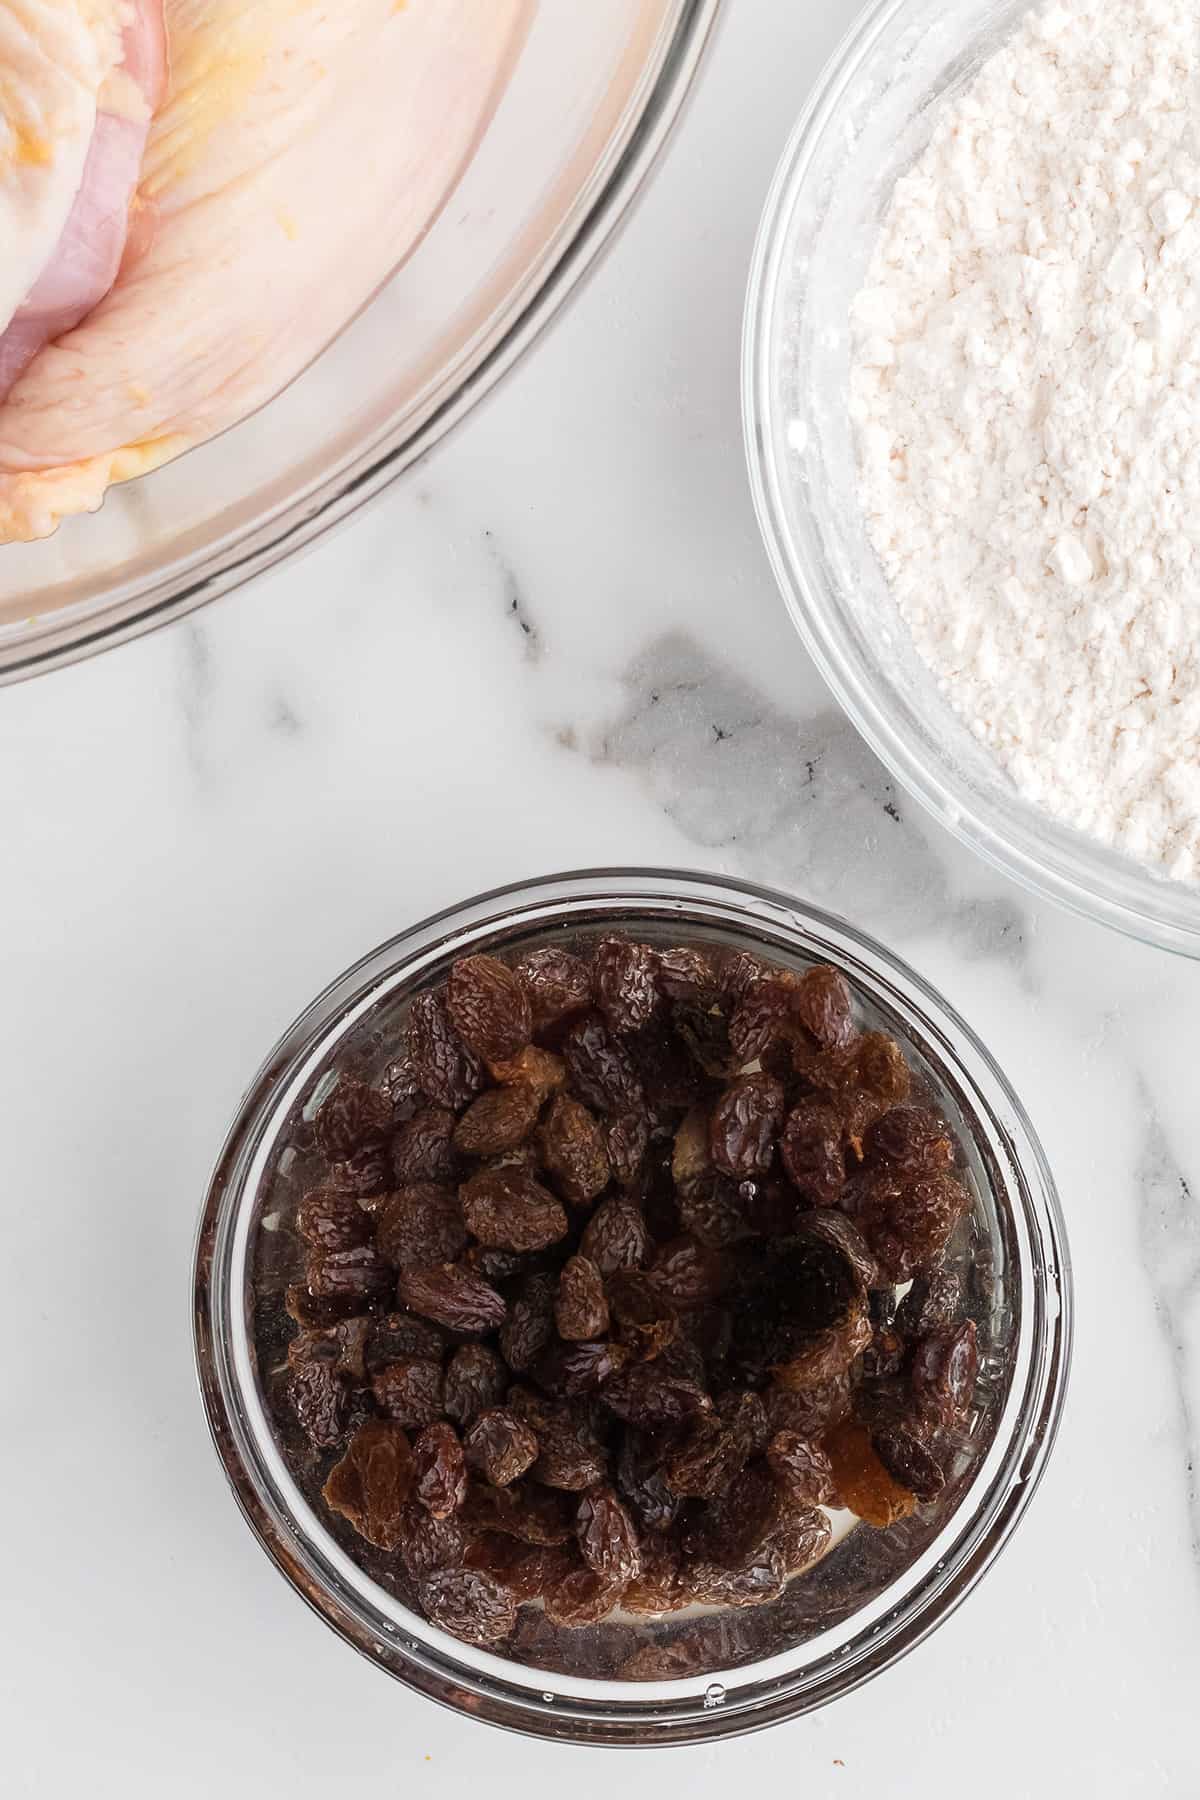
(632, 1307)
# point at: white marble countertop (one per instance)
(556, 643)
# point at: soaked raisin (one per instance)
(642, 1483)
(498, 1120)
(933, 1303)
(422, 1149)
(574, 1151)
(810, 1411)
(448, 1071)
(758, 1580)
(330, 1220)
(713, 1209)
(802, 1469)
(575, 1369)
(318, 1398)
(686, 972)
(509, 1210)
(615, 1236)
(538, 1070)
(862, 1481)
(476, 1378)
(627, 1138)
(709, 1456)
(372, 1482)
(557, 983)
(908, 1227)
(523, 1511)
(884, 1356)
(582, 1598)
(823, 1006)
(315, 1313)
(343, 1346)
(763, 1015)
(441, 1470)
(910, 1461)
(690, 1157)
(501, 1446)
(393, 1336)
(409, 1392)
(489, 1008)
(359, 1274)
(451, 1296)
(801, 1538)
(944, 1367)
(689, 1273)
(580, 1308)
(493, 1265)
(529, 1573)
(647, 1394)
(469, 1604)
(426, 1543)
(402, 1088)
(834, 1228)
(530, 1325)
(826, 1354)
(625, 976)
(353, 1117)
(704, 1030)
(738, 1521)
(568, 1455)
(421, 1223)
(605, 1533)
(645, 1319)
(744, 1125)
(911, 1140)
(599, 1067)
(811, 1148)
(365, 1173)
(656, 1589)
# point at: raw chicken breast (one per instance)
(304, 148)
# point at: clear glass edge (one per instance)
(612, 1717)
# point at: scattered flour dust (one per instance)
(1026, 393)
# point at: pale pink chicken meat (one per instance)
(301, 151)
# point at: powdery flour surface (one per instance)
(1026, 390)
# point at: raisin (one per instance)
(365, 1173)
(529, 1573)
(944, 1367)
(689, 1153)
(878, 1078)
(737, 1522)
(498, 1120)
(646, 1394)
(318, 1398)
(822, 1005)
(568, 1455)
(811, 1148)
(441, 1470)
(608, 1541)
(402, 1088)
(538, 1070)
(909, 1461)
(501, 1446)
(582, 1598)
(421, 1223)
(802, 1469)
(489, 1008)
(884, 1355)
(932, 1303)
(557, 983)
(686, 972)
(689, 1273)
(573, 1151)
(409, 1392)
(451, 1296)
(704, 1464)
(645, 1319)
(703, 1030)
(615, 1236)
(492, 1264)
(448, 1071)
(354, 1117)
(530, 1324)
(523, 1511)
(910, 1140)
(641, 1482)
(809, 1412)
(580, 1308)
(862, 1481)
(372, 1482)
(575, 1369)
(758, 1580)
(315, 1313)
(737, 972)
(508, 1210)
(330, 1220)
(656, 1589)
(342, 1346)
(627, 1138)
(908, 1227)
(744, 1125)
(476, 1379)
(625, 976)
(426, 1543)
(469, 1604)
(394, 1336)
(881, 1302)
(360, 1275)
(801, 1538)
(762, 1016)
(599, 1067)
(826, 1354)
(830, 1227)
(422, 1149)
(712, 1209)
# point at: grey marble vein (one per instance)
(1169, 1233)
(513, 600)
(197, 684)
(797, 801)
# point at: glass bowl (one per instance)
(877, 1593)
(588, 105)
(868, 118)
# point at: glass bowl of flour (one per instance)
(971, 389)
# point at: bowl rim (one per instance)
(1044, 855)
(584, 234)
(693, 1710)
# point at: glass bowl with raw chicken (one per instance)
(295, 242)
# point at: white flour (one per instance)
(1027, 394)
